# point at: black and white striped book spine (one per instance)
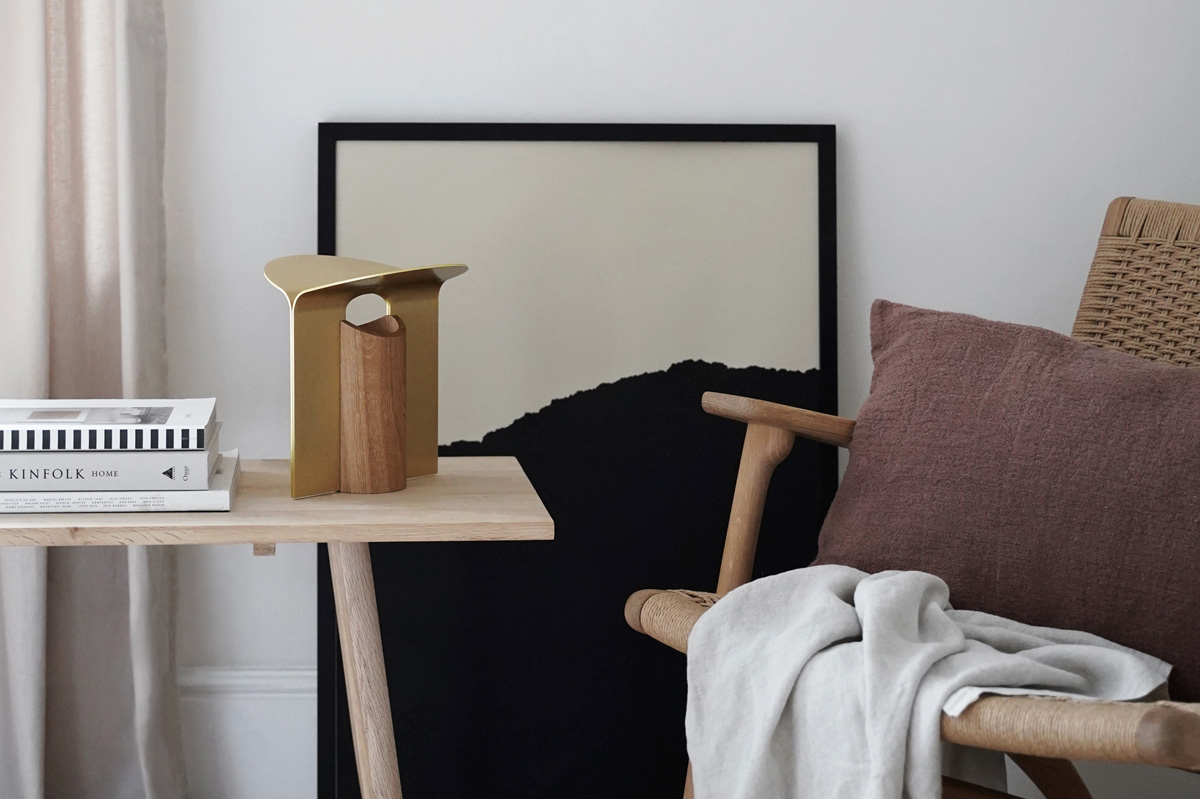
(164, 470)
(94, 438)
(61, 425)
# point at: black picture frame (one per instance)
(336, 776)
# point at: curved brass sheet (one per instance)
(295, 275)
(318, 288)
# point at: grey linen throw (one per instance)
(829, 682)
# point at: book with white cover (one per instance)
(165, 470)
(218, 497)
(115, 424)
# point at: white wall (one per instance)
(978, 146)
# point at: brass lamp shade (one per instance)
(318, 288)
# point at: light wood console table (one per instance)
(470, 499)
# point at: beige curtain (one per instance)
(87, 692)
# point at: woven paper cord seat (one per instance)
(1142, 297)
(1155, 733)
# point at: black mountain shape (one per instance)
(511, 668)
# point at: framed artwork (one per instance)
(616, 273)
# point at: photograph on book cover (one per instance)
(616, 273)
(126, 415)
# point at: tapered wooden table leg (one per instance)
(362, 661)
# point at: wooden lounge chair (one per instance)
(1142, 297)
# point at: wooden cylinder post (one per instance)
(373, 406)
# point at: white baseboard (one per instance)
(290, 683)
(249, 732)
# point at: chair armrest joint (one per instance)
(822, 427)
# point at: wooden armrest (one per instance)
(817, 426)
(1152, 733)
(771, 429)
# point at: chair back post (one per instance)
(765, 447)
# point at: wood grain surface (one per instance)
(373, 426)
(366, 679)
(470, 499)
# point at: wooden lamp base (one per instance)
(373, 412)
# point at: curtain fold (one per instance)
(88, 704)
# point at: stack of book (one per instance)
(88, 456)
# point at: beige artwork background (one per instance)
(591, 261)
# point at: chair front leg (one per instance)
(764, 449)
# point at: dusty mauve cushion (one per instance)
(1044, 479)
